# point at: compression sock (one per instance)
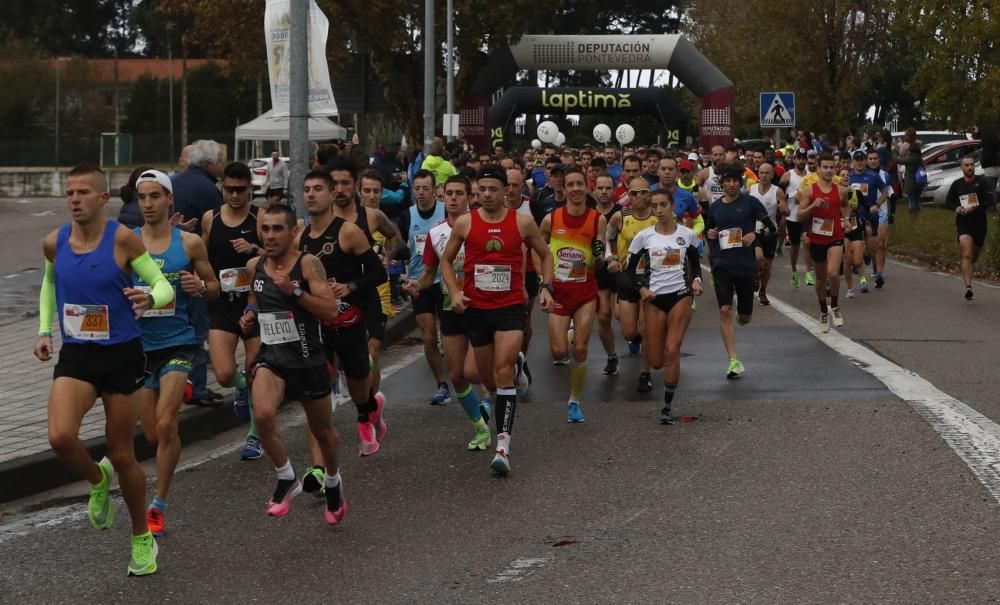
(822, 306)
(577, 376)
(470, 403)
(668, 393)
(367, 408)
(833, 301)
(240, 381)
(506, 406)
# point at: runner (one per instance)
(230, 235)
(516, 200)
(87, 281)
(673, 271)
(791, 182)
(970, 196)
(414, 224)
(454, 332)
(820, 207)
(353, 271)
(607, 278)
(624, 226)
(731, 226)
(168, 338)
(491, 295)
(709, 183)
(576, 238)
(880, 215)
(854, 234)
(289, 298)
(773, 200)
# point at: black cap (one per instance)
(493, 171)
(859, 155)
(800, 153)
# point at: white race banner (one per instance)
(277, 34)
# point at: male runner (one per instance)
(631, 169)
(970, 197)
(492, 296)
(607, 279)
(576, 238)
(791, 182)
(230, 235)
(773, 200)
(370, 188)
(709, 184)
(289, 299)
(87, 281)
(731, 228)
(854, 234)
(415, 224)
(168, 337)
(879, 216)
(353, 271)
(515, 200)
(623, 228)
(820, 207)
(461, 363)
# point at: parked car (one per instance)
(940, 178)
(934, 136)
(950, 152)
(258, 174)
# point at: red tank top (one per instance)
(825, 226)
(493, 255)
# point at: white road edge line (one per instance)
(973, 436)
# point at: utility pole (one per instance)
(170, 86)
(184, 90)
(428, 75)
(298, 102)
(450, 76)
(117, 113)
(57, 114)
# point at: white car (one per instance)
(258, 174)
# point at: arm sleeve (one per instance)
(374, 273)
(762, 216)
(47, 299)
(699, 225)
(639, 280)
(694, 262)
(147, 270)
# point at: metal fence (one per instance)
(145, 149)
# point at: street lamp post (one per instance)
(428, 75)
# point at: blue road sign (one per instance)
(777, 110)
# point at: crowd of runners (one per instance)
(586, 235)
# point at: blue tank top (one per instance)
(89, 298)
(171, 325)
(416, 238)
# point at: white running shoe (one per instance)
(838, 319)
(824, 322)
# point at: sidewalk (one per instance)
(28, 465)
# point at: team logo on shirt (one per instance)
(494, 244)
(681, 242)
(327, 248)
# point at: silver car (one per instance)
(939, 180)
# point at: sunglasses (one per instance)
(237, 189)
(638, 191)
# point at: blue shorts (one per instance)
(171, 359)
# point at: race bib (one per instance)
(860, 187)
(731, 238)
(165, 311)
(664, 258)
(86, 322)
(822, 226)
(235, 280)
(970, 200)
(277, 328)
(421, 243)
(493, 278)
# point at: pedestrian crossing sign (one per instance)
(777, 110)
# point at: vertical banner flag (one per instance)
(276, 34)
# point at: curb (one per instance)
(44, 471)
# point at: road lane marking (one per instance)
(973, 436)
(518, 569)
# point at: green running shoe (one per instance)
(810, 278)
(735, 368)
(482, 439)
(144, 551)
(100, 508)
(795, 280)
(313, 481)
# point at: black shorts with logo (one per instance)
(118, 368)
(666, 302)
(482, 324)
(301, 384)
(350, 346)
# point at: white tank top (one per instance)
(769, 200)
(794, 182)
(714, 184)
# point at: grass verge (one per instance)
(929, 238)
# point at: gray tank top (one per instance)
(290, 336)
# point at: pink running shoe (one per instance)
(376, 420)
(335, 498)
(367, 444)
(281, 501)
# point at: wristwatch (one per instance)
(547, 287)
(352, 287)
(297, 292)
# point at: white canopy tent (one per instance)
(266, 127)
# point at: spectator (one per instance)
(437, 164)
(130, 215)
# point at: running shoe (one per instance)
(367, 444)
(810, 278)
(486, 410)
(241, 404)
(100, 508)
(634, 346)
(868, 259)
(527, 371)
(850, 293)
(144, 550)
(252, 449)
(645, 383)
(778, 252)
(838, 319)
(336, 505)
(156, 521)
(762, 297)
(611, 367)
(879, 281)
(482, 439)
(824, 322)
(666, 416)
(312, 481)
(574, 413)
(969, 295)
(441, 396)
(795, 280)
(281, 500)
(562, 362)
(376, 418)
(501, 462)
(694, 304)
(864, 285)
(520, 380)
(735, 368)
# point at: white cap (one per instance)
(693, 156)
(155, 176)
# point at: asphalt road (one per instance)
(807, 481)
